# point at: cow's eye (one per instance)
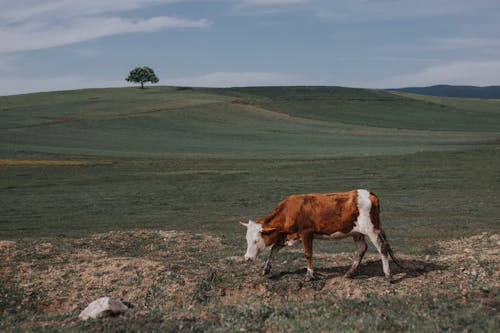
(255, 241)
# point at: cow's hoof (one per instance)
(266, 270)
(309, 277)
(349, 275)
(389, 279)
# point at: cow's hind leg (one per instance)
(267, 266)
(379, 241)
(359, 241)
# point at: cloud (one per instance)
(236, 79)
(271, 2)
(19, 11)
(397, 10)
(33, 36)
(480, 73)
(32, 25)
(269, 7)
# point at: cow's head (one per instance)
(255, 241)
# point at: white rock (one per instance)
(101, 307)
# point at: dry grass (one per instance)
(176, 277)
(44, 162)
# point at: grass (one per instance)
(88, 177)
(200, 286)
(375, 108)
(430, 193)
(288, 123)
(365, 316)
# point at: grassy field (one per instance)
(296, 123)
(89, 178)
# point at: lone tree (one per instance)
(142, 75)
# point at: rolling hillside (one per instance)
(277, 122)
(137, 194)
(490, 92)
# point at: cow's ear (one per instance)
(244, 224)
(267, 231)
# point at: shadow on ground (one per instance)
(411, 268)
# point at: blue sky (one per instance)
(68, 44)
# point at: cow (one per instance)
(304, 217)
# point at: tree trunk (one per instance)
(142, 85)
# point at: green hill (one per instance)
(376, 108)
(490, 92)
(263, 122)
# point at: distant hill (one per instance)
(258, 122)
(490, 92)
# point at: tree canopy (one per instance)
(142, 75)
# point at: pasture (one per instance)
(136, 194)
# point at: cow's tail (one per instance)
(382, 238)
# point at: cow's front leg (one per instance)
(267, 266)
(307, 240)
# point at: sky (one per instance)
(48, 45)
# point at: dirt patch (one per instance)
(177, 274)
(6, 244)
(138, 266)
(466, 267)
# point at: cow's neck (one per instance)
(272, 237)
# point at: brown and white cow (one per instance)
(328, 216)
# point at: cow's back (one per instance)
(324, 213)
(330, 212)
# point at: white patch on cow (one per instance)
(365, 226)
(310, 273)
(364, 223)
(292, 242)
(335, 235)
(255, 242)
